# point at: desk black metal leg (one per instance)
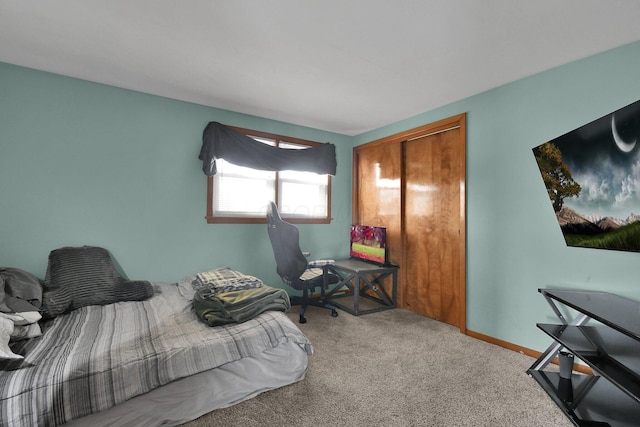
(356, 294)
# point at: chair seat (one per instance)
(310, 274)
(313, 278)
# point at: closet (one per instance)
(413, 183)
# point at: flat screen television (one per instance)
(369, 243)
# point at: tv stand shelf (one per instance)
(610, 347)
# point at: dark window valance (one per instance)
(222, 142)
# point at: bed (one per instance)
(151, 362)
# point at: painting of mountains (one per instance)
(592, 177)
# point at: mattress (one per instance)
(186, 399)
(153, 360)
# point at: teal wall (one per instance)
(82, 163)
(89, 164)
(514, 244)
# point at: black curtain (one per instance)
(222, 142)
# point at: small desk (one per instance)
(360, 277)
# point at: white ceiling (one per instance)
(346, 66)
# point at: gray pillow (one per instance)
(78, 277)
(19, 290)
(3, 306)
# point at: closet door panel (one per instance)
(432, 223)
(377, 201)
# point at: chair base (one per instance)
(304, 302)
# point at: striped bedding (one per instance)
(99, 356)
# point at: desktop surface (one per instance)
(364, 264)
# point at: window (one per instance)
(238, 194)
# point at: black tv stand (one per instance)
(606, 336)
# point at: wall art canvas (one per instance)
(592, 177)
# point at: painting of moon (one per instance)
(592, 177)
(624, 146)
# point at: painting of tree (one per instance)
(556, 175)
(592, 178)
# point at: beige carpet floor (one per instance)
(397, 368)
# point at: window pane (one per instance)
(303, 194)
(299, 199)
(241, 191)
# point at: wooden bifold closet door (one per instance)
(414, 184)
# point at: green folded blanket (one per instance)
(238, 306)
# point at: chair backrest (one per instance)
(285, 241)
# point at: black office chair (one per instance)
(293, 267)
